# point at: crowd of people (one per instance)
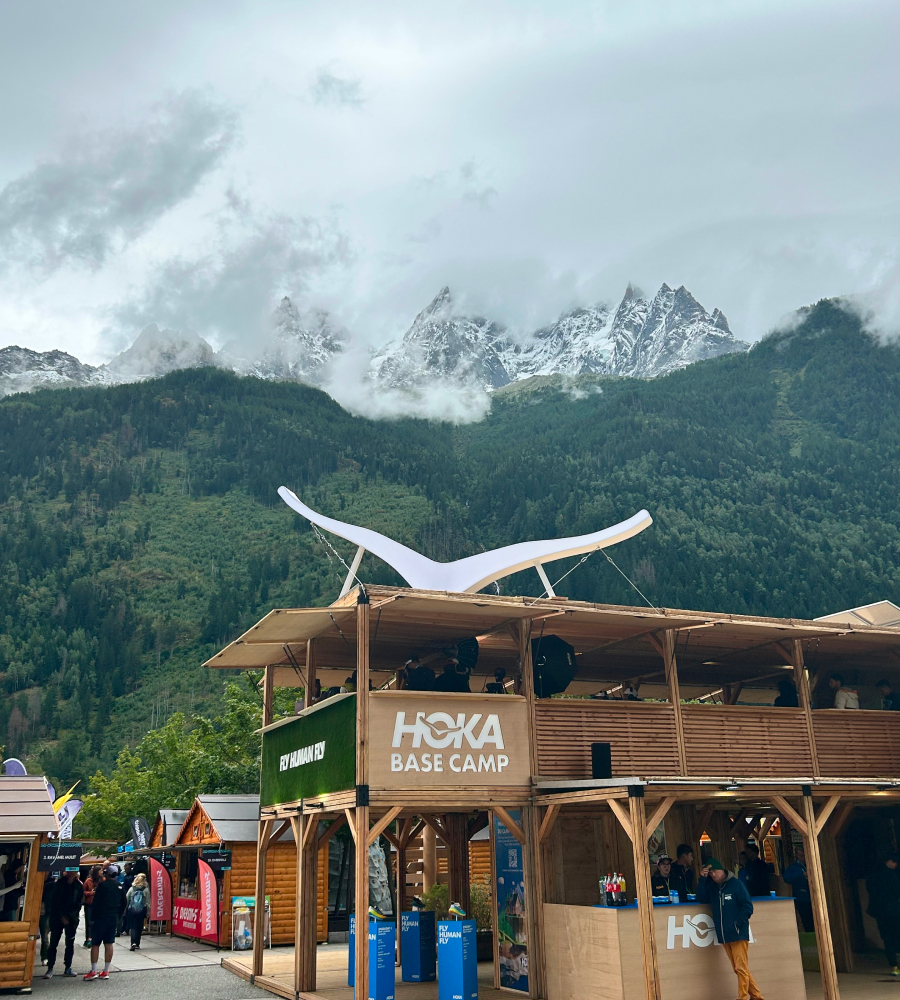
(113, 900)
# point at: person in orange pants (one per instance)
(731, 911)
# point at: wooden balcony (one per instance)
(720, 740)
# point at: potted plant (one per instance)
(437, 898)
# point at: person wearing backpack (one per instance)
(136, 901)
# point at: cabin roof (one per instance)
(25, 806)
(613, 643)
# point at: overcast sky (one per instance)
(188, 163)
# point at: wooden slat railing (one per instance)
(746, 741)
(642, 735)
(739, 741)
(857, 744)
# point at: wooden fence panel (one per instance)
(857, 744)
(641, 734)
(746, 741)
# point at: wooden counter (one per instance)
(594, 953)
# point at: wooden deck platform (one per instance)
(331, 973)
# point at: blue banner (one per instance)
(512, 935)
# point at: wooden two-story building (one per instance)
(700, 754)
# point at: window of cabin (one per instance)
(187, 882)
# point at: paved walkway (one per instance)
(166, 968)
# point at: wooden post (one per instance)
(457, 827)
(298, 828)
(259, 911)
(532, 851)
(429, 857)
(830, 989)
(494, 914)
(310, 690)
(801, 681)
(835, 895)
(311, 846)
(268, 693)
(534, 899)
(649, 961)
(667, 648)
(361, 818)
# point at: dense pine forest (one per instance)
(140, 528)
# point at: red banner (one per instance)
(209, 902)
(160, 892)
(186, 917)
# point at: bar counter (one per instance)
(594, 952)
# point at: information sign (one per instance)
(59, 856)
(457, 949)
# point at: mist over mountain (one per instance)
(641, 338)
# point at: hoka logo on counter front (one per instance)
(304, 755)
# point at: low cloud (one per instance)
(475, 190)
(350, 386)
(108, 188)
(230, 292)
(328, 89)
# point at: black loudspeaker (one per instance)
(601, 760)
(553, 662)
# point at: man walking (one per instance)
(883, 886)
(731, 912)
(108, 906)
(65, 907)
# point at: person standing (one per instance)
(108, 906)
(682, 877)
(136, 900)
(843, 697)
(65, 907)
(44, 922)
(883, 886)
(731, 911)
(787, 694)
(90, 886)
(890, 700)
(758, 881)
(796, 877)
(13, 889)
(660, 883)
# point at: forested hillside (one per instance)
(140, 529)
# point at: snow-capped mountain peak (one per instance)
(299, 348)
(460, 349)
(640, 338)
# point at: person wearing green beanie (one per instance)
(731, 911)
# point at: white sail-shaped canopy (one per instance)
(468, 576)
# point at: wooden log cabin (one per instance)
(26, 818)
(699, 754)
(229, 824)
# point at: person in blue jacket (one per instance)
(796, 877)
(731, 911)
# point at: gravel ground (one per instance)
(205, 982)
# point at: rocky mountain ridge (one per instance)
(641, 338)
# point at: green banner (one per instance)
(311, 755)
